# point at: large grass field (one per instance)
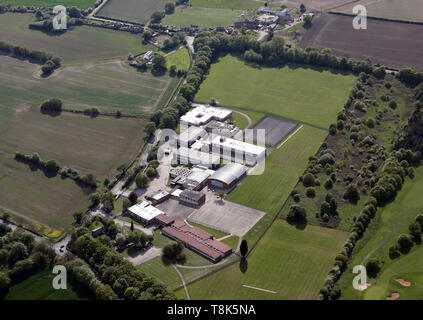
(131, 10)
(39, 287)
(310, 95)
(203, 17)
(291, 262)
(268, 191)
(81, 4)
(383, 231)
(227, 4)
(164, 273)
(78, 44)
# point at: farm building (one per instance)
(148, 56)
(267, 19)
(283, 15)
(228, 176)
(144, 212)
(221, 129)
(190, 136)
(238, 151)
(190, 156)
(202, 114)
(191, 197)
(158, 197)
(197, 240)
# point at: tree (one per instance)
(94, 198)
(4, 281)
(52, 166)
(4, 257)
(52, 105)
(351, 192)
(77, 216)
(373, 267)
(138, 238)
(17, 252)
(147, 35)
(307, 21)
(220, 194)
(159, 62)
(243, 249)
(126, 203)
(296, 214)
(150, 128)
(105, 293)
(154, 164)
(151, 172)
(133, 197)
(132, 226)
(4, 229)
(169, 7)
(157, 16)
(405, 242)
(173, 250)
(309, 180)
(141, 180)
(302, 8)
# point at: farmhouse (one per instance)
(202, 114)
(190, 156)
(238, 151)
(144, 212)
(228, 176)
(197, 240)
(190, 136)
(191, 197)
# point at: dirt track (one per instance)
(392, 44)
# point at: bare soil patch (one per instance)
(403, 282)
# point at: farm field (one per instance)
(108, 86)
(410, 10)
(309, 95)
(283, 166)
(292, 263)
(383, 231)
(179, 58)
(81, 4)
(131, 10)
(227, 4)
(202, 17)
(392, 44)
(39, 287)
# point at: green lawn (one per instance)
(81, 4)
(202, 17)
(382, 232)
(283, 166)
(39, 287)
(232, 241)
(165, 274)
(310, 95)
(227, 4)
(291, 262)
(179, 58)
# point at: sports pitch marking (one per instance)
(290, 136)
(260, 289)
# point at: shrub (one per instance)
(309, 180)
(51, 105)
(393, 104)
(351, 192)
(296, 214)
(310, 192)
(151, 172)
(373, 267)
(405, 242)
(328, 184)
(141, 180)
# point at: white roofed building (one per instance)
(144, 212)
(190, 156)
(238, 151)
(202, 114)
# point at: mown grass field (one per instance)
(310, 95)
(383, 231)
(268, 191)
(227, 4)
(165, 274)
(131, 10)
(291, 262)
(39, 287)
(179, 58)
(202, 17)
(81, 4)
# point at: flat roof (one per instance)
(195, 195)
(145, 210)
(159, 195)
(202, 114)
(192, 134)
(241, 146)
(196, 156)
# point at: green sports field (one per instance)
(310, 95)
(81, 4)
(268, 191)
(290, 262)
(383, 231)
(227, 4)
(202, 17)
